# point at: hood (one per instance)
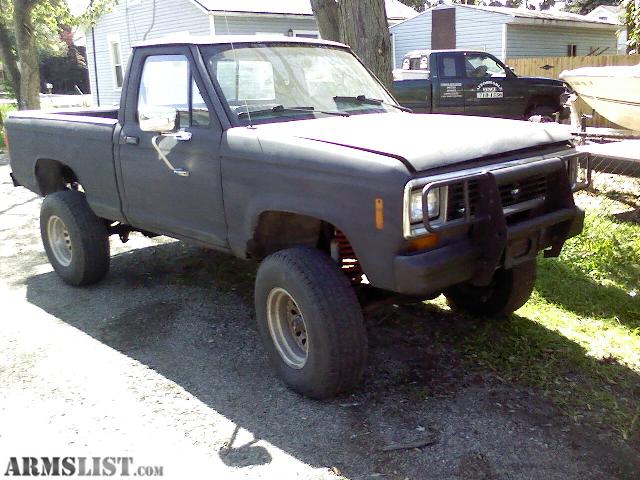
(422, 141)
(543, 81)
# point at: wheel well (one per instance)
(541, 101)
(53, 176)
(279, 230)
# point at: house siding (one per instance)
(484, 30)
(250, 25)
(130, 23)
(543, 41)
(475, 30)
(478, 30)
(413, 34)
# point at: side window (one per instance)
(167, 82)
(480, 66)
(448, 67)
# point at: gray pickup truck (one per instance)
(290, 152)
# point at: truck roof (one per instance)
(235, 39)
(446, 50)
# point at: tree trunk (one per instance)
(28, 55)
(9, 60)
(361, 24)
(326, 13)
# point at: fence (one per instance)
(551, 67)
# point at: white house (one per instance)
(130, 21)
(504, 32)
(611, 14)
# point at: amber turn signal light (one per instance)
(422, 243)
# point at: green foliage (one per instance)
(631, 19)
(583, 7)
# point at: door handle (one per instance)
(179, 136)
(131, 140)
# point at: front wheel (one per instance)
(508, 291)
(75, 240)
(311, 322)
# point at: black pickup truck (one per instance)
(289, 152)
(474, 83)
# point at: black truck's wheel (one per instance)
(508, 291)
(542, 114)
(76, 241)
(311, 322)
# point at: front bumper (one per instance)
(485, 240)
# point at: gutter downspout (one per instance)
(504, 42)
(95, 64)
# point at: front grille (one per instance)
(511, 194)
(523, 190)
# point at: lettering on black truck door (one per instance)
(448, 85)
(489, 90)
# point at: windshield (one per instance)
(265, 83)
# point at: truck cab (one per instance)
(473, 83)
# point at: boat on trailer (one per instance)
(613, 92)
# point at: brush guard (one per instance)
(552, 221)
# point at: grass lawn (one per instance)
(578, 339)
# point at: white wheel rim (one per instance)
(59, 241)
(288, 328)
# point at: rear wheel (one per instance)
(311, 322)
(75, 240)
(508, 291)
(542, 114)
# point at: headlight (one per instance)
(415, 205)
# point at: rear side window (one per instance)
(448, 67)
(167, 81)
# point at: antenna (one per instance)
(235, 57)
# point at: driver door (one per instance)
(490, 89)
(185, 201)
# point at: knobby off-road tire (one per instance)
(508, 291)
(310, 322)
(76, 241)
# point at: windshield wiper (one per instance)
(283, 109)
(371, 101)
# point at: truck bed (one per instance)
(83, 139)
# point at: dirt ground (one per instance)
(161, 362)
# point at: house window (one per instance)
(116, 62)
(572, 50)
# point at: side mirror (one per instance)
(158, 119)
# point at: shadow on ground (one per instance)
(588, 298)
(187, 313)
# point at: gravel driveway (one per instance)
(161, 362)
